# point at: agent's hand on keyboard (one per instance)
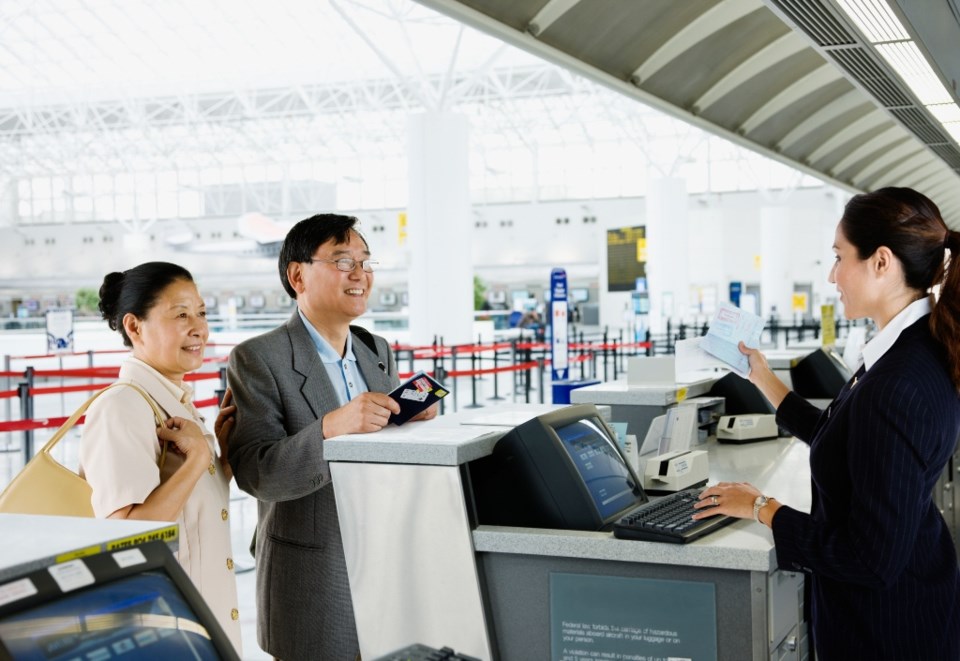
(731, 498)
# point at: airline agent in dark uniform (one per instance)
(878, 554)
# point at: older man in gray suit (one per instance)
(313, 378)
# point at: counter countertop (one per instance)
(34, 541)
(778, 468)
(657, 394)
(449, 440)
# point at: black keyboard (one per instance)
(668, 519)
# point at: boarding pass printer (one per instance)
(676, 471)
(665, 460)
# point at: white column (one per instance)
(668, 251)
(439, 229)
(776, 283)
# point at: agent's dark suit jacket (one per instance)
(282, 392)
(883, 568)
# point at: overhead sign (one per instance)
(626, 257)
(60, 331)
(558, 325)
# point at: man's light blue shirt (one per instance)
(344, 374)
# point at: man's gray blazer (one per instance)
(282, 392)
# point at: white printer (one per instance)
(746, 428)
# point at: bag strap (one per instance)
(366, 337)
(72, 420)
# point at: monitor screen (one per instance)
(137, 603)
(561, 469)
(601, 466)
(579, 294)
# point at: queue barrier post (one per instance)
(473, 380)
(26, 412)
(440, 375)
(6, 379)
(222, 390)
(605, 375)
(541, 366)
(617, 367)
(453, 368)
(496, 392)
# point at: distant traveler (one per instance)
(311, 379)
(882, 565)
(159, 314)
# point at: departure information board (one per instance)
(626, 257)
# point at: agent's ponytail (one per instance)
(945, 318)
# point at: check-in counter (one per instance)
(33, 541)
(638, 405)
(422, 572)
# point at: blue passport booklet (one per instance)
(417, 393)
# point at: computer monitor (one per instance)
(388, 298)
(562, 469)
(579, 294)
(134, 603)
(740, 396)
(820, 375)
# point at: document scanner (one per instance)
(676, 471)
(746, 428)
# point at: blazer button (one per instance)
(211, 469)
(230, 564)
(234, 614)
(224, 514)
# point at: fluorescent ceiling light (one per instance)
(953, 128)
(905, 58)
(945, 112)
(875, 20)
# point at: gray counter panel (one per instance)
(518, 600)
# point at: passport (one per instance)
(416, 394)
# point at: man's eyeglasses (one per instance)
(347, 264)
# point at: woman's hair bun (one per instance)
(110, 297)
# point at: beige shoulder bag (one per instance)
(44, 486)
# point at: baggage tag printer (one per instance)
(747, 428)
(667, 462)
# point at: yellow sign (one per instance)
(168, 534)
(402, 227)
(681, 394)
(756, 262)
(799, 302)
(641, 250)
(79, 553)
(828, 326)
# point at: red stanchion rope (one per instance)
(48, 423)
(494, 370)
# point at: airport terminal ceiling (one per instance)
(815, 83)
(124, 110)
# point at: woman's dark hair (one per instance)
(135, 291)
(910, 225)
(305, 237)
